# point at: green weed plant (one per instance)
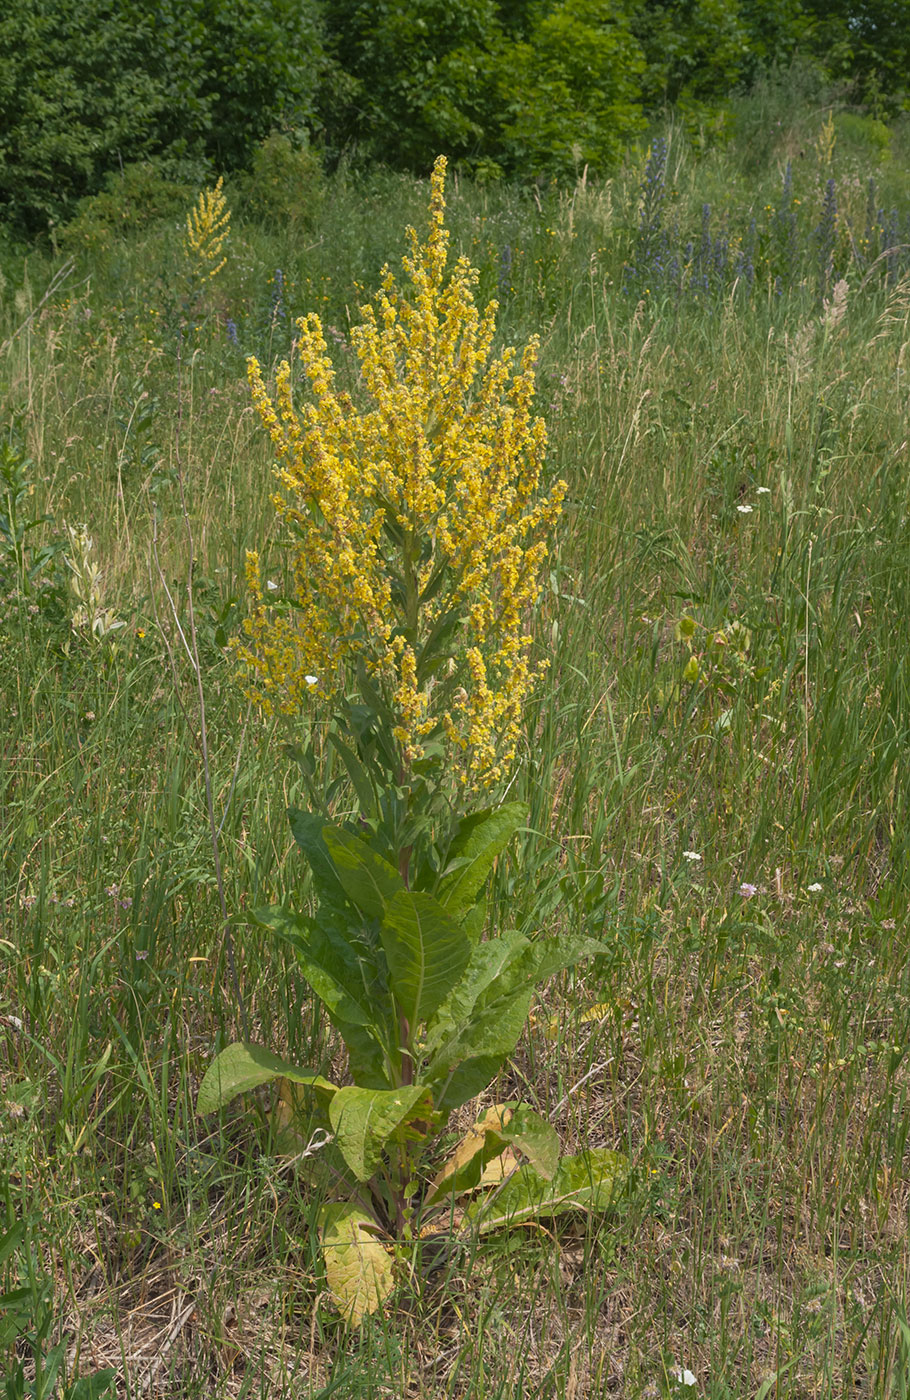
(417, 538)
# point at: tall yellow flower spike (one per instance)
(417, 531)
(208, 225)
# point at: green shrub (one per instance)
(865, 137)
(569, 92)
(421, 76)
(133, 199)
(532, 90)
(90, 86)
(285, 184)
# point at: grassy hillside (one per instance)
(715, 769)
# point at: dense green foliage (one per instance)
(542, 86)
(88, 86)
(529, 88)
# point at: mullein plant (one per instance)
(416, 530)
(208, 227)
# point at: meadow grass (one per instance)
(715, 770)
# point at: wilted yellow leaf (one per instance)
(456, 1173)
(358, 1266)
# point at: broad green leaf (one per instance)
(426, 952)
(96, 1387)
(368, 880)
(590, 1181)
(306, 828)
(475, 920)
(485, 1017)
(240, 1068)
(339, 975)
(45, 1382)
(555, 955)
(17, 1310)
(479, 840)
(485, 966)
(363, 1120)
(349, 981)
(504, 1126)
(369, 1063)
(11, 1240)
(358, 1265)
(534, 1138)
(460, 1083)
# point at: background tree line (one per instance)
(525, 88)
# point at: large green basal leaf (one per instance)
(503, 1125)
(368, 881)
(480, 838)
(242, 1067)
(363, 1121)
(426, 952)
(534, 1137)
(590, 1181)
(358, 1266)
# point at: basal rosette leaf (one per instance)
(358, 1266)
(242, 1067)
(364, 1120)
(590, 1181)
(504, 1128)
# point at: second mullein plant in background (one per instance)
(415, 529)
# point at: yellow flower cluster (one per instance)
(417, 528)
(208, 225)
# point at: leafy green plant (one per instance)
(86, 88)
(418, 535)
(285, 184)
(132, 199)
(428, 1013)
